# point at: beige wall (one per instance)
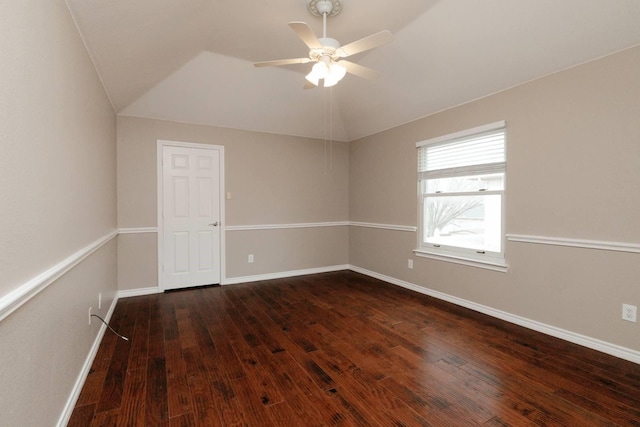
(273, 179)
(288, 250)
(573, 157)
(573, 171)
(58, 195)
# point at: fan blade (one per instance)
(359, 70)
(306, 34)
(279, 62)
(369, 42)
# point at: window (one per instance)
(461, 178)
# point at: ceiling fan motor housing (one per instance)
(329, 48)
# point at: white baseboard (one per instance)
(583, 340)
(284, 274)
(139, 292)
(244, 279)
(77, 387)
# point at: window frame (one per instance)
(458, 254)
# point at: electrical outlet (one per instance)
(629, 312)
(100, 301)
(250, 257)
(90, 308)
(410, 263)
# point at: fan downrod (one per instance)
(324, 7)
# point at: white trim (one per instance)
(286, 226)
(84, 372)
(384, 226)
(16, 298)
(139, 292)
(160, 144)
(410, 228)
(138, 230)
(284, 274)
(576, 243)
(583, 340)
(494, 264)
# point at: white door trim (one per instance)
(160, 145)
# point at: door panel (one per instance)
(180, 249)
(180, 196)
(191, 224)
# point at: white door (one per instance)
(191, 220)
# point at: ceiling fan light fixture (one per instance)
(319, 71)
(326, 52)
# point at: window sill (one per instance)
(488, 264)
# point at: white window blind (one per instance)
(481, 153)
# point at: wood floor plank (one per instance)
(82, 415)
(111, 396)
(140, 337)
(132, 411)
(156, 396)
(92, 388)
(341, 349)
(179, 396)
(363, 388)
(251, 401)
(283, 415)
(303, 395)
(204, 408)
(105, 418)
(184, 420)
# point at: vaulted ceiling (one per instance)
(192, 60)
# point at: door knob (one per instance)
(214, 224)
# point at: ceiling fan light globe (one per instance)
(328, 82)
(336, 73)
(314, 80)
(319, 71)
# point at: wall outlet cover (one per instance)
(629, 312)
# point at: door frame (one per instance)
(159, 188)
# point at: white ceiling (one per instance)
(191, 60)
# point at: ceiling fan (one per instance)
(327, 52)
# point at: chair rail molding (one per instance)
(251, 227)
(138, 230)
(16, 298)
(393, 227)
(576, 243)
(285, 226)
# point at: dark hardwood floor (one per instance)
(341, 349)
